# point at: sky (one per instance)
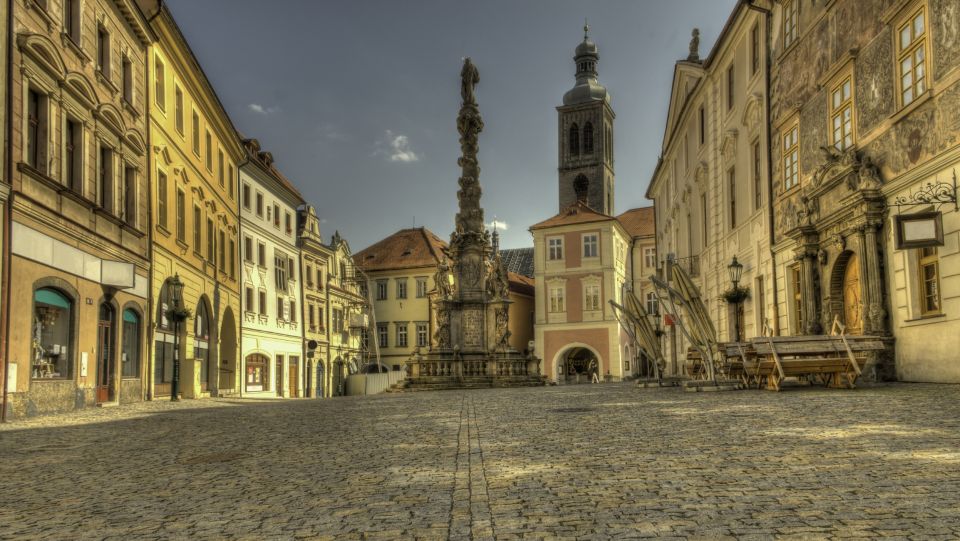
(357, 99)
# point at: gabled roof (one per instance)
(518, 260)
(407, 248)
(577, 213)
(638, 222)
(265, 160)
(520, 284)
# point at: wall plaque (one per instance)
(919, 230)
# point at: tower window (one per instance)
(588, 138)
(574, 139)
(580, 186)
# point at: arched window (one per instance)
(588, 138)
(201, 341)
(580, 188)
(574, 139)
(52, 335)
(130, 354)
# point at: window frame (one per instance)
(590, 240)
(916, 44)
(837, 110)
(159, 84)
(790, 23)
(178, 106)
(923, 284)
(791, 151)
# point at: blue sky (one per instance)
(357, 99)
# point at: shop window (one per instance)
(130, 353)
(52, 335)
(257, 372)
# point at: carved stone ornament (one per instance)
(729, 146)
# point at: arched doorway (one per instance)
(578, 365)
(201, 343)
(106, 358)
(228, 353)
(846, 292)
(163, 356)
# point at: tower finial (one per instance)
(586, 28)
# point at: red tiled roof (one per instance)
(639, 222)
(407, 248)
(577, 213)
(520, 283)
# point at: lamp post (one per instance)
(736, 271)
(176, 294)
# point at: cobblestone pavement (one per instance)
(580, 462)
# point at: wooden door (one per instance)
(279, 372)
(852, 305)
(106, 369)
(293, 379)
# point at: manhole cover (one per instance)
(573, 410)
(213, 458)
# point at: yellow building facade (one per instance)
(347, 318)
(314, 268)
(195, 153)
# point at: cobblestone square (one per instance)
(575, 462)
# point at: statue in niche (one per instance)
(502, 317)
(441, 279)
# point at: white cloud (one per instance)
(396, 147)
(261, 110)
(500, 226)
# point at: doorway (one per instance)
(852, 305)
(294, 379)
(279, 372)
(106, 362)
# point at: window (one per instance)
(37, 130)
(841, 114)
(421, 288)
(222, 250)
(261, 254)
(230, 182)
(650, 257)
(730, 87)
(791, 12)
(201, 338)
(590, 245)
(196, 133)
(208, 139)
(320, 279)
(103, 51)
(262, 302)
(130, 345)
(245, 196)
(556, 299)
(791, 157)
(257, 377)
(162, 199)
(181, 216)
(197, 230)
(248, 299)
(929, 264)
(574, 140)
(382, 334)
(401, 288)
(703, 126)
(337, 323)
(797, 284)
(105, 179)
(210, 241)
(312, 316)
(178, 108)
(703, 219)
(248, 249)
(556, 249)
(732, 190)
(760, 306)
(73, 156)
(233, 259)
(260, 204)
(911, 57)
(653, 305)
(130, 196)
(293, 311)
(757, 182)
(288, 222)
(126, 72)
(280, 307)
(291, 269)
(52, 335)
(276, 216)
(755, 49)
(581, 188)
(381, 290)
(421, 334)
(588, 138)
(71, 20)
(159, 88)
(591, 297)
(280, 270)
(220, 169)
(401, 335)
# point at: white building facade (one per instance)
(271, 330)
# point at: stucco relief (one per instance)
(813, 133)
(872, 79)
(946, 36)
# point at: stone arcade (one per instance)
(470, 345)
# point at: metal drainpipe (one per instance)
(148, 377)
(7, 216)
(768, 61)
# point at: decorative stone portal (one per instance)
(471, 341)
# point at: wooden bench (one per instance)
(836, 360)
(741, 360)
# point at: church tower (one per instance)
(586, 136)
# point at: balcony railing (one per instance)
(691, 264)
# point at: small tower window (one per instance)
(580, 186)
(574, 139)
(588, 138)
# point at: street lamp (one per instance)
(176, 294)
(736, 271)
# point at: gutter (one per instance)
(768, 17)
(150, 227)
(7, 217)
